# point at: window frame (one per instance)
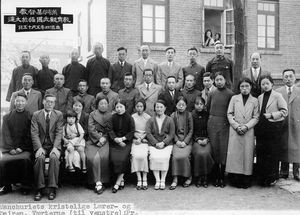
(154, 3)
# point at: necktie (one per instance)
(122, 64)
(147, 87)
(289, 92)
(172, 94)
(47, 125)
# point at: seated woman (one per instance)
(160, 131)
(208, 37)
(140, 148)
(121, 135)
(273, 110)
(182, 148)
(203, 161)
(15, 162)
(82, 117)
(97, 147)
(243, 113)
(217, 37)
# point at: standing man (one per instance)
(46, 135)
(82, 95)
(16, 146)
(17, 74)
(169, 68)
(208, 81)
(221, 63)
(145, 62)
(189, 92)
(118, 70)
(45, 76)
(254, 73)
(291, 136)
(194, 68)
(97, 68)
(63, 95)
(170, 95)
(129, 94)
(73, 72)
(149, 91)
(34, 97)
(106, 91)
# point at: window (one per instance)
(154, 22)
(218, 17)
(267, 25)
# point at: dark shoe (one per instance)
(145, 185)
(187, 183)
(122, 185)
(222, 183)
(52, 194)
(216, 183)
(5, 189)
(25, 191)
(101, 190)
(139, 185)
(38, 195)
(205, 184)
(284, 176)
(173, 186)
(296, 177)
(198, 183)
(115, 188)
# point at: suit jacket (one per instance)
(64, 98)
(38, 129)
(83, 121)
(291, 133)
(34, 101)
(204, 95)
(164, 71)
(150, 96)
(276, 105)
(256, 88)
(138, 68)
(116, 75)
(170, 102)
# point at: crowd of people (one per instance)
(107, 120)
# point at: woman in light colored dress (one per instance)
(160, 131)
(140, 148)
(181, 165)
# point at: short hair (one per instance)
(199, 98)
(219, 43)
(191, 76)
(160, 101)
(257, 53)
(286, 70)
(245, 79)
(128, 74)
(181, 98)
(26, 51)
(21, 94)
(171, 76)
(170, 48)
(27, 74)
(193, 49)
(219, 73)
(99, 98)
(122, 48)
(208, 74)
(80, 101)
(121, 101)
(148, 69)
(269, 77)
(141, 100)
(83, 80)
(105, 78)
(49, 95)
(58, 74)
(71, 113)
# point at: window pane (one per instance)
(213, 3)
(147, 36)
(261, 42)
(229, 28)
(147, 10)
(229, 16)
(271, 32)
(160, 24)
(147, 23)
(229, 39)
(261, 31)
(159, 36)
(272, 7)
(271, 42)
(220, 3)
(207, 2)
(266, 7)
(261, 19)
(271, 20)
(160, 11)
(260, 6)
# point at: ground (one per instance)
(182, 199)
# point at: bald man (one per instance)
(73, 72)
(145, 62)
(254, 73)
(97, 68)
(63, 95)
(45, 76)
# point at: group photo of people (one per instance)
(157, 126)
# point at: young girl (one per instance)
(218, 126)
(203, 161)
(182, 148)
(73, 139)
(140, 148)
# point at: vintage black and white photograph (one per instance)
(150, 107)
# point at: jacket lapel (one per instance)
(42, 120)
(271, 99)
(294, 94)
(52, 120)
(141, 64)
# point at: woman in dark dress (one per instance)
(97, 147)
(121, 135)
(273, 110)
(203, 161)
(218, 126)
(82, 117)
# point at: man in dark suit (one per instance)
(208, 81)
(170, 95)
(254, 73)
(117, 71)
(46, 135)
(34, 97)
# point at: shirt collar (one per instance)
(45, 113)
(287, 88)
(150, 84)
(27, 91)
(253, 69)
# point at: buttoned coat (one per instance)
(150, 96)
(138, 68)
(291, 133)
(164, 71)
(241, 147)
